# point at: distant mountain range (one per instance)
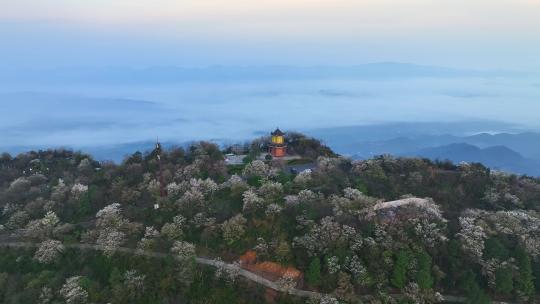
(168, 74)
(513, 152)
(496, 157)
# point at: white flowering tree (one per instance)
(49, 251)
(227, 272)
(109, 226)
(235, 183)
(252, 201)
(148, 241)
(303, 178)
(42, 228)
(472, 237)
(324, 236)
(271, 191)
(185, 255)
(256, 168)
(174, 230)
(234, 228)
(72, 291)
(78, 190)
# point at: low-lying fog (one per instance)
(88, 115)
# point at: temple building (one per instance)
(278, 148)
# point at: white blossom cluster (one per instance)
(286, 282)
(153, 186)
(327, 299)
(307, 196)
(355, 266)
(332, 264)
(49, 251)
(256, 168)
(110, 240)
(235, 182)
(78, 189)
(429, 232)
(325, 235)
(496, 198)
(252, 201)
(72, 292)
(273, 209)
(227, 272)
(109, 225)
(174, 230)
(205, 186)
(303, 178)
(524, 225)
(291, 201)
(192, 198)
(42, 228)
(471, 236)
(234, 228)
(148, 240)
(183, 250)
(326, 164)
(353, 202)
(50, 219)
(271, 191)
(174, 189)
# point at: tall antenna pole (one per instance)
(162, 190)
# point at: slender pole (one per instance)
(162, 190)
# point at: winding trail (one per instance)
(215, 263)
(200, 260)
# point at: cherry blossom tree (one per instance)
(472, 237)
(72, 291)
(234, 228)
(149, 239)
(252, 201)
(49, 251)
(174, 230)
(256, 168)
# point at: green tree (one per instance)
(494, 248)
(313, 274)
(473, 292)
(503, 280)
(399, 274)
(525, 279)
(424, 277)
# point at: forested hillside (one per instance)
(384, 230)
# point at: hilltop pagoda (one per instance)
(278, 148)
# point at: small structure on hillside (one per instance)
(278, 148)
(232, 159)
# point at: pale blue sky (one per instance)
(455, 33)
(95, 96)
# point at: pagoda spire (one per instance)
(278, 148)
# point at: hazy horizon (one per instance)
(104, 72)
(136, 33)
